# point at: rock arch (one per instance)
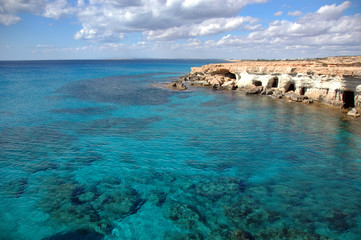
(348, 99)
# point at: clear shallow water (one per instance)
(90, 150)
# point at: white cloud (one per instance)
(51, 9)
(15, 6)
(172, 26)
(294, 13)
(157, 18)
(325, 29)
(57, 9)
(42, 46)
(207, 27)
(333, 11)
(98, 34)
(111, 46)
(279, 13)
(110, 20)
(8, 19)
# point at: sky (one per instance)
(223, 29)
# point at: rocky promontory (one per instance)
(333, 80)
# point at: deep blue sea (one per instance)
(97, 149)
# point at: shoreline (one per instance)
(333, 81)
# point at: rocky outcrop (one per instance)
(179, 85)
(335, 80)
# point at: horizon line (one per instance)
(146, 58)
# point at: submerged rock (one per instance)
(119, 203)
(161, 177)
(28, 148)
(219, 187)
(240, 209)
(182, 213)
(14, 188)
(115, 126)
(188, 218)
(85, 111)
(288, 233)
(157, 197)
(119, 89)
(80, 234)
(339, 221)
(40, 165)
(241, 234)
(90, 207)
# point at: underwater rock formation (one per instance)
(14, 188)
(80, 234)
(91, 207)
(117, 90)
(240, 234)
(334, 81)
(286, 233)
(224, 186)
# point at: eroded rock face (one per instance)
(335, 80)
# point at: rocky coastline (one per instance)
(332, 81)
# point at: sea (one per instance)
(100, 149)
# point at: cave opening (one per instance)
(303, 90)
(230, 75)
(348, 98)
(273, 83)
(257, 83)
(290, 87)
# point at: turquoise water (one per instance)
(95, 150)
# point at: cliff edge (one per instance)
(333, 80)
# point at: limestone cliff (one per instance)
(333, 80)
